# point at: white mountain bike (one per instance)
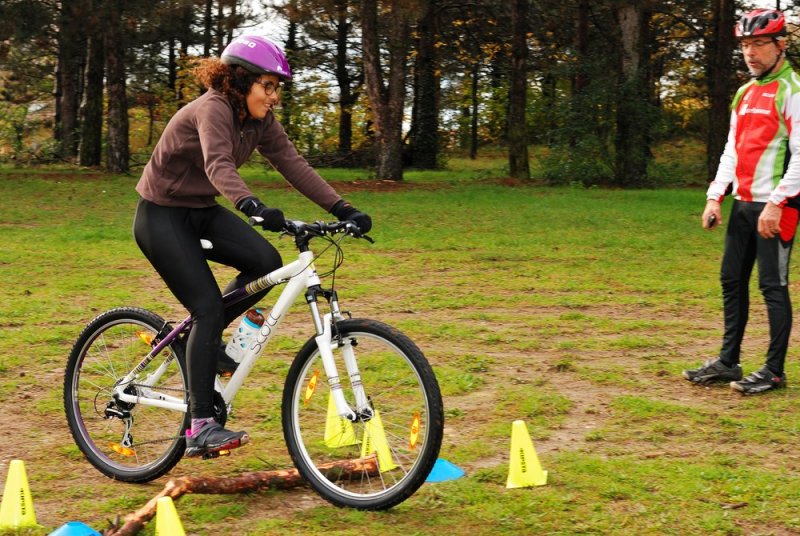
(366, 439)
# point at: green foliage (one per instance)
(13, 127)
(588, 163)
(26, 104)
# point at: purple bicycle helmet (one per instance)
(258, 55)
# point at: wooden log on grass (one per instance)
(255, 481)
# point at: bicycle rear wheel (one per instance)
(125, 441)
(376, 464)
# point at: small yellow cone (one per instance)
(16, 510)
(167, 521)
(338, 430)
(524, 469)
(375, 441)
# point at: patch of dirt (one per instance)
(46, 446)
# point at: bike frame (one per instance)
(298, 276)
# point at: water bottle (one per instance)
(244, 334)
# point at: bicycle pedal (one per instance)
(216, 454)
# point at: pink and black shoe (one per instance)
(212, 439)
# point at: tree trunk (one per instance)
(172, 66)
(57, 92)
(518, 166)
(425, 127)
(550, 102)
(721, 84)
(220, 35)
(184, 16)
(287, 95)
(234, 23)
(117, 155)
(386, 99)
(633, 115)
(347, 97)
(208, 36)
(578, 113)
(90, 153)
(581, 46)
(71, 62)
(473, 125)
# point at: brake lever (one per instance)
(353, 230)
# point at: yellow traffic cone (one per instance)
(338, 430)
(16, 510)
(167, 521)
(524, 469)
(375, 441)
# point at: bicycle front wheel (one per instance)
(132, 442)
(373, 463)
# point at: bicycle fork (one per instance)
(326, 343)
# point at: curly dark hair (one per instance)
(233, 81)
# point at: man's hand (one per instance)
(711, 215)
(769, 222)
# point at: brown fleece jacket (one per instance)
(202, 147)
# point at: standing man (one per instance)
(758, 165)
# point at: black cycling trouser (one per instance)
(743, 247)
(170, 239)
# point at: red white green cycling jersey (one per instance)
(764, 135)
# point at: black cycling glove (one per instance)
(273, 219)
(345, 211)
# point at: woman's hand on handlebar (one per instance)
(344, 211)
(270, 219)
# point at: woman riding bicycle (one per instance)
(195, 161)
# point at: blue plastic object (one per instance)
(74, 528)
(444, 470)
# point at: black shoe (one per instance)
(759, 381)
(213, 438)
(713, 371)
(226, 366)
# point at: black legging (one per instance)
(743, 248)
(170, 239)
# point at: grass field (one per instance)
(572, 309)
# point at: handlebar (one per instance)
(301, 229)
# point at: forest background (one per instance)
(590, 88)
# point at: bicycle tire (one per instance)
(402, 388)
(108, 348)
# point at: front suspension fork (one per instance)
(326, 342)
